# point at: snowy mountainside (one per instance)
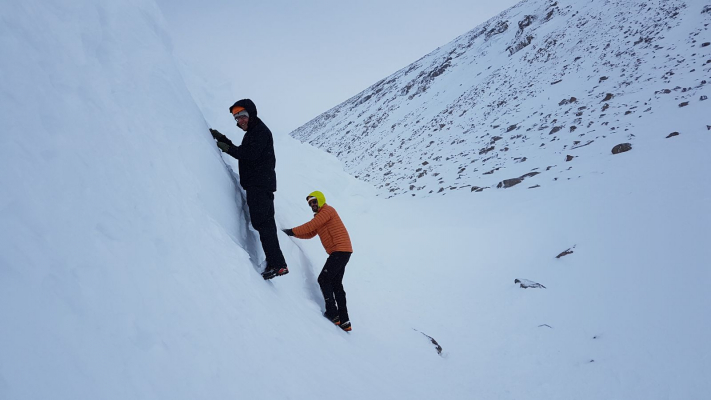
(543, 83)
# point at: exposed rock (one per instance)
(608, 97)
(526, 284)
(707, 9)
(434, 342)
(702, 98)
(507, 183)
(684, 104)
(525, 22)
(499, 28)
(520, 45)
(477, 189)
(705, 44)
(569, 158)
(602, 78)
(621, 148)
(565, 253)
(673, 134)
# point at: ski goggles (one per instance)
(241, 114)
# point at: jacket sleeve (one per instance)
(308, 235)
(253, 148)
(310, 229)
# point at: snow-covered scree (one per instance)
(544, 82)
(128, 271)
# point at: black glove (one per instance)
(224, 146)
(217, 135)
(288, 232)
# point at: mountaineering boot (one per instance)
(346, 326)
(335, 320)
(271, 272)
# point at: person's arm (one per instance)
(290, 232)
(310, 229)
(253, 149)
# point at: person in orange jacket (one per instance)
(334, 238)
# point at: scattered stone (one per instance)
(533, 187)
(705, 44)
(569, 158)
(498, 29)
(477, 189)
(684, 104)
(510, 128)
(434, 342)
(608, 97)
(602, 78)
(526, 284)
(708, 127)
(673, 134)
(507, 183)
(702, 98)
(558, 81)
(621, 148)
(565, 253)
(582, 145)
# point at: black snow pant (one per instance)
(331, 281)
(261, 212)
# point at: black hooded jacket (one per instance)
(256, 153)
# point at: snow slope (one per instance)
(128, 270)
(520, 93)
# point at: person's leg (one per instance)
(325, 281)
(337, 284)
(261, 212)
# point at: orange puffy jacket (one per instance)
(329, 228)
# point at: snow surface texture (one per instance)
(128, 270)
(543, 82)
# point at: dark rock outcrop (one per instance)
(565, 253)
(507, 183)
(621, 148)
(526, 284)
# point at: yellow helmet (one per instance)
(319, 197)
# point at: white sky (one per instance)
(299, 59)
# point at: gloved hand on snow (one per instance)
(224, 146)
(288, 232)
(217, 135)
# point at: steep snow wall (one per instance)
(125, 268)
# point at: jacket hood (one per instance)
(248, 105)
(319, 197)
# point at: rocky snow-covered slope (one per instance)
(543, 83)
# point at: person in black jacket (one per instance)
(258, 178)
